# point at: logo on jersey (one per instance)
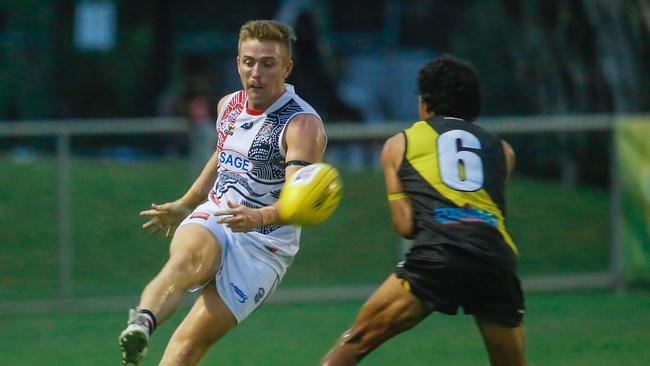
(240, 294)
(259, 295)
(200, 215)
(457, 215)
(234, 161)
(265, 131)
(232, 116)
(229, 125)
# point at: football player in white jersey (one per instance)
(228, 240)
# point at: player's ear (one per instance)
(423, 109)
(238, 68)
(287, 69)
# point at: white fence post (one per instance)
(64, 224)
(615, 213)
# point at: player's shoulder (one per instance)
(221, 102)
(304, 116)
(306, 124)
(396, 140)
(394, 148)
(306, 119)
(235, 97)
(306, 128)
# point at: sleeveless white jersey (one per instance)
(251, 168)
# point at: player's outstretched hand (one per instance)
(239, 218)
(165, 217)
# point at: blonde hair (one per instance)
(267, 30)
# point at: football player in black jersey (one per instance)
(445, 179)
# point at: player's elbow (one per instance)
(402, 217)
(404, 228)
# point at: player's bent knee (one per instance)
(190, 269)
(195, 255)
(195, 239)
(182, 262)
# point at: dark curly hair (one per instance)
(450, 87)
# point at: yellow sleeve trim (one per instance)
(406, 285)
(396, 196)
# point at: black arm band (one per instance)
(298, 162)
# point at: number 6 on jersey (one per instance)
(460, 169)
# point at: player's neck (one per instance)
(426, 115)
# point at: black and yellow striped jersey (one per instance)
(454, 172)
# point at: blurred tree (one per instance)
(536, 56)
(558, 57)
(548, 56)
(25, 59)
(582, 55)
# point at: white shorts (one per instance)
(244, 280)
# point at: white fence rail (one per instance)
(64, 130)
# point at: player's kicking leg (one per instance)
(135, 338)
(208, 321)
(194, 258)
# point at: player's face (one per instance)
(263, 67)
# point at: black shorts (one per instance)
(447, 277)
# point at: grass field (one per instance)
(557, 229)
(580, 329)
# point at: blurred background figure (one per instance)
(194, 97)
(200, 116)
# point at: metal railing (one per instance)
(64, 130)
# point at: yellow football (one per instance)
(310, 195)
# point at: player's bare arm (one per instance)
(168, 215)
(509, 153)
(401, 208)
(304, 140)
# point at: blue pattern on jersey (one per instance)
(454, 215)
(265, 149)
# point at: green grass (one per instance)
(557, 229)
(581, 329)
(27, 229)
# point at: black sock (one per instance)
(151, 319)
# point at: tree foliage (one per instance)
(559, 56)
